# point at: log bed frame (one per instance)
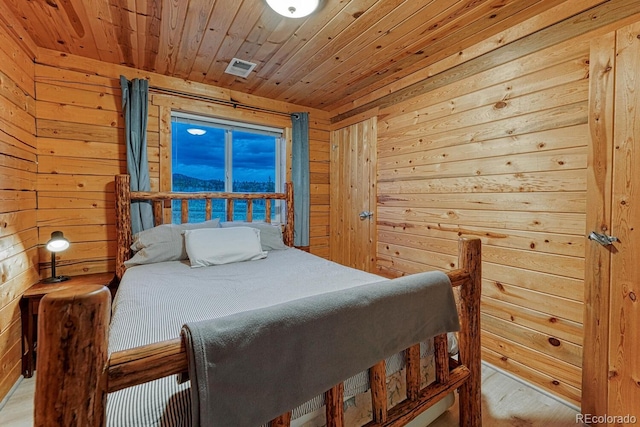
(75, 371)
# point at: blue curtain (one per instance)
(300, 177)
(135, 96)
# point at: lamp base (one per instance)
(55, 279)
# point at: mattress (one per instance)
(154, 301)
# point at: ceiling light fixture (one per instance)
(293, 8)
(196, 131)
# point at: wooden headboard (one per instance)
(124, 197)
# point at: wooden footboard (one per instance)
(75, 373)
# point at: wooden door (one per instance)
(611, 368)
(353, 193)
(624, 315)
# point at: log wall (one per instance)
(80, 132)
(18, 228)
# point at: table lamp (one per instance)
(57, 243)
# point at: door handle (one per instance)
(603, 239)
(365, 214)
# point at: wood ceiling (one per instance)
(345, 50)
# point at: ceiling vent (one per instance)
(241, 68)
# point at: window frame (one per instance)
(281, 150)
(230, 126)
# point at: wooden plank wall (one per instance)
(80, 133)
(18, 231)
(500, 155)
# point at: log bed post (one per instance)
(469, 256)
(288, 231)
(123, 218)
(73, 359)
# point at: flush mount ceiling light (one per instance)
(196, 131)
(293, 8)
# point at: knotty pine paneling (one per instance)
(18, 224)
(499, 155)
(80, 134)
(343, 51)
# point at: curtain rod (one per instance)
(234, 104)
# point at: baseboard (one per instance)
(12, 390)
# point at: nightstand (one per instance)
(29, 311)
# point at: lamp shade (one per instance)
(57, 243)
(293, 8)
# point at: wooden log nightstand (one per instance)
(29, 311)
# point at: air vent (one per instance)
(241, 68)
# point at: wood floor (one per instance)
(505, 402)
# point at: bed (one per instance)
(78, 365)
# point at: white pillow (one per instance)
(270, 234)
(216, 246)
(163, 243)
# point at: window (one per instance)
(220, 155)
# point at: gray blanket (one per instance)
(250, 367)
